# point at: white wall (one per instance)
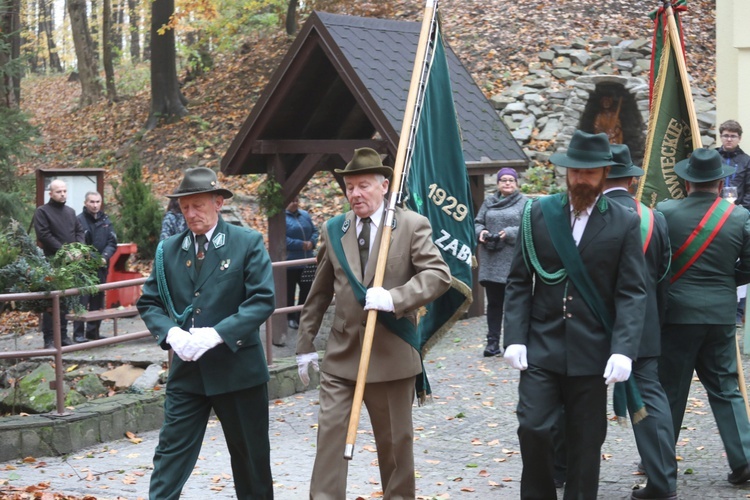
(733, 63)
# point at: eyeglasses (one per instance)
(730, 136)
(511, 179)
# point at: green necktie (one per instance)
(364, 244)
(201, 255)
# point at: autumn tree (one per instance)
(88, 71)
(291, 17)
(109, 70)
(46, 27)
(135, 39)
(167, 101)
(10, 42)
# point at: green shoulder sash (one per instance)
(163, 287)
(626, 394)
(701, 237)
(402, 327)
(647, 224)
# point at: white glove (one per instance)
(201, 340)
(303, 363)
(178, 339)
(515, 355)
(380, 299)
(617, 369)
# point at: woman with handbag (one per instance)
(301, 238)
(496, 227)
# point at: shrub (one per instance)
(139, 213)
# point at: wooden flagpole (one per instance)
(403, 142)
(674, 38)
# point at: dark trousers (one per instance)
(244, 420)
(293, 279)
(654, 435)
(47, 325)
(540, 395)
(91, 329)
(711, 351)
(495, 300)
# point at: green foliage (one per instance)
(271, 197)
(540, 180)
(131, 80)
(24, 268)
(15, 133)
(139, 217)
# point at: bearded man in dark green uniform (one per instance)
(209, 292)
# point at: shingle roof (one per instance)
(382, 53)
(346, 78)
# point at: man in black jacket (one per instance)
(56, 224)
(99, 233)
(579, 253)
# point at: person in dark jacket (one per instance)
(496, 228)
(56, 224)
(99, 233)
(301, 238)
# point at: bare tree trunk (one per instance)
(167, 101)
(15, 49)
(109, 70)
(94, 17)
(135, 35)
(291, 17)
(116, 27)
(48, 21)
(91, 88)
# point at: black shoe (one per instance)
(49, 344)
(94, 336)
(493, 349)
(66, 341)
(79, 340)
(645, 494)
(739, 476)
(293, 324)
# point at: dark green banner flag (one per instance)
(669, 137)
(438, 185)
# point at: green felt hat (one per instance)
(365, 161)
(585, 151)
(199, 180)
(623, 166)
(704, 165)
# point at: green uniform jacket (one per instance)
(234, 294)
(560, 332)
(706, 293)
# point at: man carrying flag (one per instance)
(710, 239)
(653, 434)
(416, 274)
(574, 306)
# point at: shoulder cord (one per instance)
(529, 251)
(161, 283)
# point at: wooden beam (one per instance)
(307, 146)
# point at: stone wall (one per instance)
(544, 108)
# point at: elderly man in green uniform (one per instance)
(415, 275)
(710, 240)
(575, 299)
(653, 435)
(210, 290)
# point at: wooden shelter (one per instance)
(343, 85)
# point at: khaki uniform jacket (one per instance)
(415, 275)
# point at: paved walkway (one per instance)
(465, 445)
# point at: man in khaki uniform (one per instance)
(415, 275)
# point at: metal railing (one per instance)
(59, 349)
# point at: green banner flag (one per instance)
(669, 138)
(438, 185)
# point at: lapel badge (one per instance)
(345, 226)
(186, 243)
(225, 264)
(219, 240)
(189, 263)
